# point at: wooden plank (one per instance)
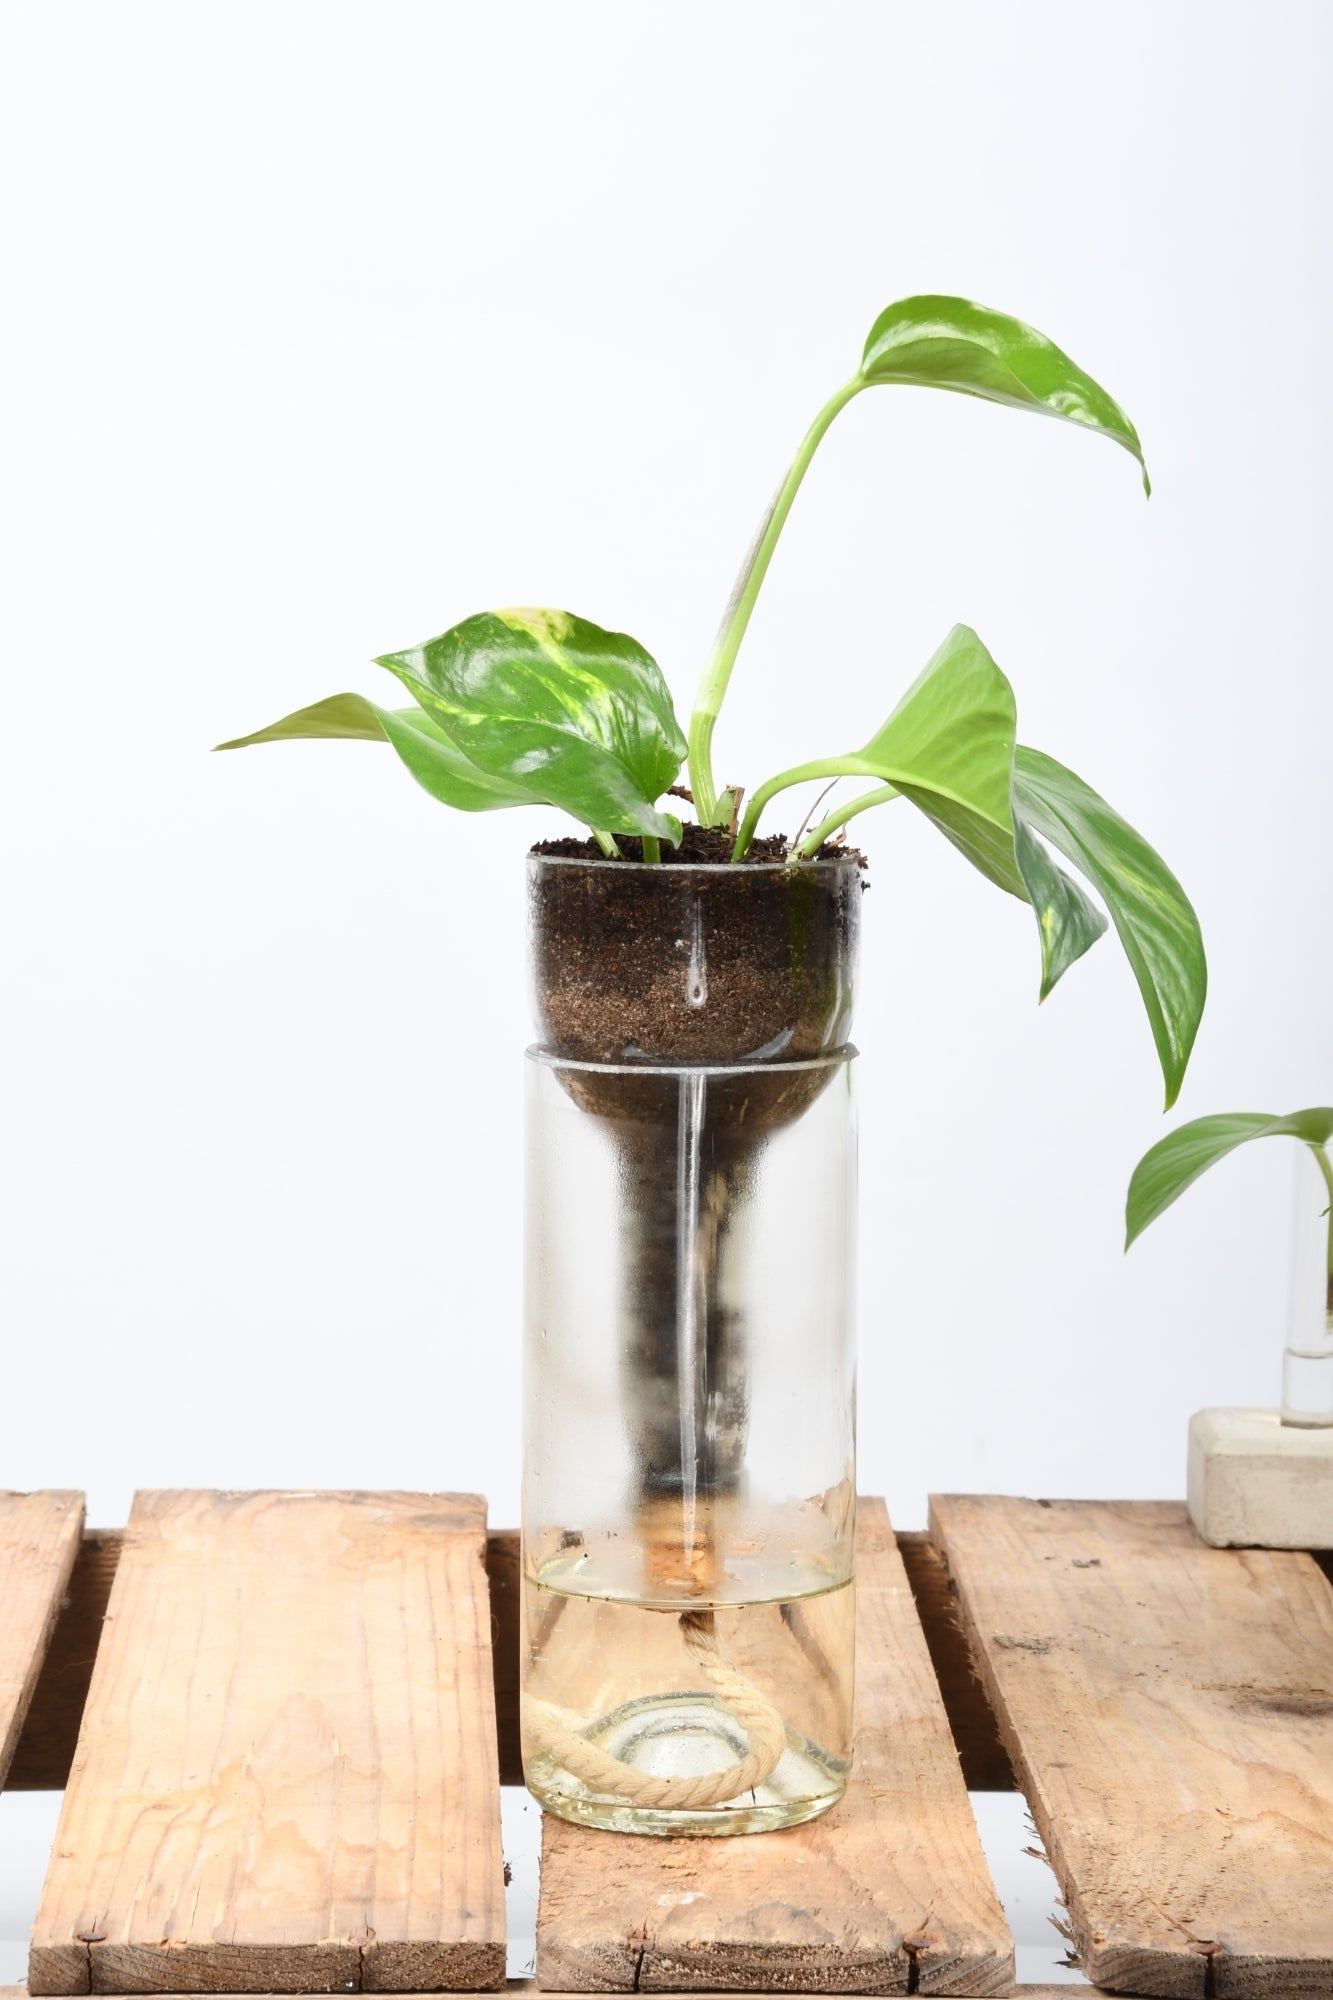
(286, 1775)
(1169, 1711)
(46, 1746)
(888, 1893)
(39, 1540)
(528, 1989)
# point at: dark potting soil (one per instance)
(700, 846)
(687, 962)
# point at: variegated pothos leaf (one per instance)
(938, 342)
(544, 699)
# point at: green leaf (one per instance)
(422, 745)
(554, 704)
(949, 748)
(444, 771)
(341, 715)
(935, 343)
(945, 343)
(1155, 920)
(1067, 923)
(1174, 1163)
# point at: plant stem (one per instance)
(1326, 1169)
(822, 767)
(713, 685)
(815, 840)
(607, 843)
(652, 847)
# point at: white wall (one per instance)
(330, 324)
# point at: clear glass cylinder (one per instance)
(689, 1488)
(1307, 1364)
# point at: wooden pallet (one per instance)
(283, 1720)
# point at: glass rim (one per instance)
(548, 1059)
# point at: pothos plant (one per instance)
(523, 707)
(1176, 1162)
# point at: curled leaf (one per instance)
(1068, 924)
(1176, 1162)
(1151, 912)
(949, 748)
(946, 343)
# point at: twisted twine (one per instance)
(548, 1730)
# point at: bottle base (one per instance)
(684, 1737)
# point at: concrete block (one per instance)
(1255, 1482)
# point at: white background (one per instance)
(327, 325)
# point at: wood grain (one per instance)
(286, 1775)
(39, 1540)
(46, 1746)
(1169, 1711)
(888, 1893)
(528, 1989)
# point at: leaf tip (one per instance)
(1135, 1222)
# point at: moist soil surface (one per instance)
(702, 846)
(693, 963)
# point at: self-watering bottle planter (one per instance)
(1263, 1477)
(689, 1489)
(689, 1480)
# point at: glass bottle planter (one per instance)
(689, 1489)
(1307, 1362)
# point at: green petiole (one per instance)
(822, 767)
(1326, 1169)
(807, 848)
(713, 685)
(533, 705)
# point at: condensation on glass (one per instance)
(689, 1489)
(1307, 1364)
